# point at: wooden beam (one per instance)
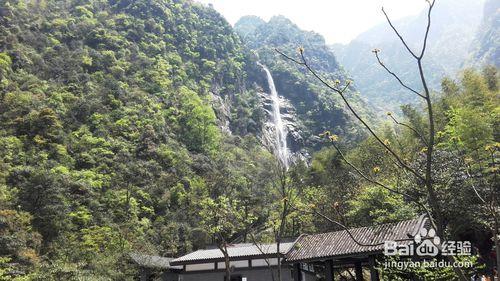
(297, 276)
(359, 271)
(329, 275)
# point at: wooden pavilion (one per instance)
(355, 248)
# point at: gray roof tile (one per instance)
(236, 251)
(340, 243)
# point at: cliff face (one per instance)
(485, 48)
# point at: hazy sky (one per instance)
(339, 21)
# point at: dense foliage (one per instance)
(136, 126)
(465, 170)
(109, 141)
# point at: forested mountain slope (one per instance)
(485, 48)
(119, 119)
(109, 140)
(452, 32)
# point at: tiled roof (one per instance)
(236, 251)
(153, 261)
(340, 243)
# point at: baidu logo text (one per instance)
(427, 244)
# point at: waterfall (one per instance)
(281, 150)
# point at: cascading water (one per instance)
(281, 150)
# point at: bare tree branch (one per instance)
(371, 180)
(254, 241)
(290, 58)
(474, 186)
(376, 51)
(351, 109)
(427, 176)
(432, 195)
(346, 229)
(427, 30)
(367, 178)
(409, 127)
(315, 212)
(429, 11)
(399, 35)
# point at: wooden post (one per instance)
(329, 275)
(373, 271)
(297, 276)
(359, 271)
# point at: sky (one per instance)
(339, 21)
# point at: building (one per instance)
(249, 262)
(355, 249)
(311, 257)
